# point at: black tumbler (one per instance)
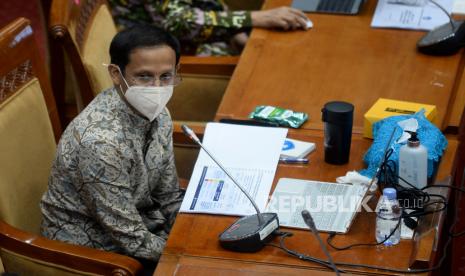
(337, 118)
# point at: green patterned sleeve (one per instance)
(228, 19)
(191, 23)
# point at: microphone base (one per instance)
(444, 40)
(247, 235)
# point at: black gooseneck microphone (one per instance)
(249, 233)
(443, 40)
(311, 224)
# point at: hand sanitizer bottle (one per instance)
(413, 163)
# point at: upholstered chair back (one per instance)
(84, 29)
(27, 147)
(29, 129)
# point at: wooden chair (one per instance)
(29, 129)
(85, 31)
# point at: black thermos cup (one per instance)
(337, 117)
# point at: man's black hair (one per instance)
(140, 36)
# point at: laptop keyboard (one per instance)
(339, 6)
(332, 189)
(333, 206)
(324, 219)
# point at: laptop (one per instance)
(329, 6)
(333, 206)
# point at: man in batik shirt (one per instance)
(113, 184)
(204, 27)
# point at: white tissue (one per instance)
(357, 179)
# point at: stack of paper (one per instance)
(251, 156)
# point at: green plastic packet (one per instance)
(283, 117)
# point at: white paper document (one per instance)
(249, 153)
(389, 14)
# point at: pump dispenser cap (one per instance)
(413, 141)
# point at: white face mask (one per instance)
(148, 100)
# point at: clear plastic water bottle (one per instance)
(388, 212)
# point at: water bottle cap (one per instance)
(390, 193)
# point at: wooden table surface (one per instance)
(340, 58)
(193, 247)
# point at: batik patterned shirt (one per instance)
(204, 27)
(113, 183)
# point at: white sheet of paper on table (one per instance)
(249, 153)
(422, 17)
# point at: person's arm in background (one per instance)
(194, 26)
(192, 23)
(285, 18)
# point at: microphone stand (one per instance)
(444, 10)
(245, 235)
(194, 137)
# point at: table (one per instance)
(193, 247)
(341, 58)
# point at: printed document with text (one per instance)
(249, 153)
(389, 14)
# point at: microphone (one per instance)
(445, 39)
(311, 224)
(249, 233)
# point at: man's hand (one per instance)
(283, 17)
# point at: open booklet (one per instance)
(249, 153)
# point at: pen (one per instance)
(293, 160)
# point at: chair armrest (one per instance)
(223, 66)
(76, 257)
(183, 183)
(185, 150)
(180, 139)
